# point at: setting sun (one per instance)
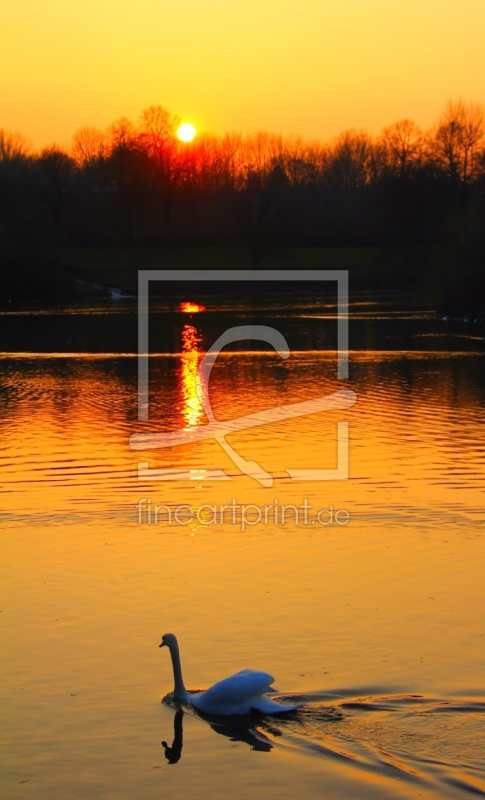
(186, 132)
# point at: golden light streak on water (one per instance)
(190, 384)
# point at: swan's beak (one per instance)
(162, 645)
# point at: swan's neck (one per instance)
(179, 689)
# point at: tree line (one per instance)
(136, 184)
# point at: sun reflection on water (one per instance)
(190, 383)
(191, 308)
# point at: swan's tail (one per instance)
(265, 705)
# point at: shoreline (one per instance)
(428, 277)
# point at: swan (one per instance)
(242, 693)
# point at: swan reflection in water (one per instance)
(174, 753)
(377, 739)
(235, 728)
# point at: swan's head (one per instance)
(168, 640)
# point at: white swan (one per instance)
(242, 693)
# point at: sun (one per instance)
(186, 132)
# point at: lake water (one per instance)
(374, 618)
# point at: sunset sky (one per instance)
(313, 67)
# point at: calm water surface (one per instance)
(377, 625)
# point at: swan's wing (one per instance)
(238, 688)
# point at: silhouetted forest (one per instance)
(137, 184)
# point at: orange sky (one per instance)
(313, 67)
